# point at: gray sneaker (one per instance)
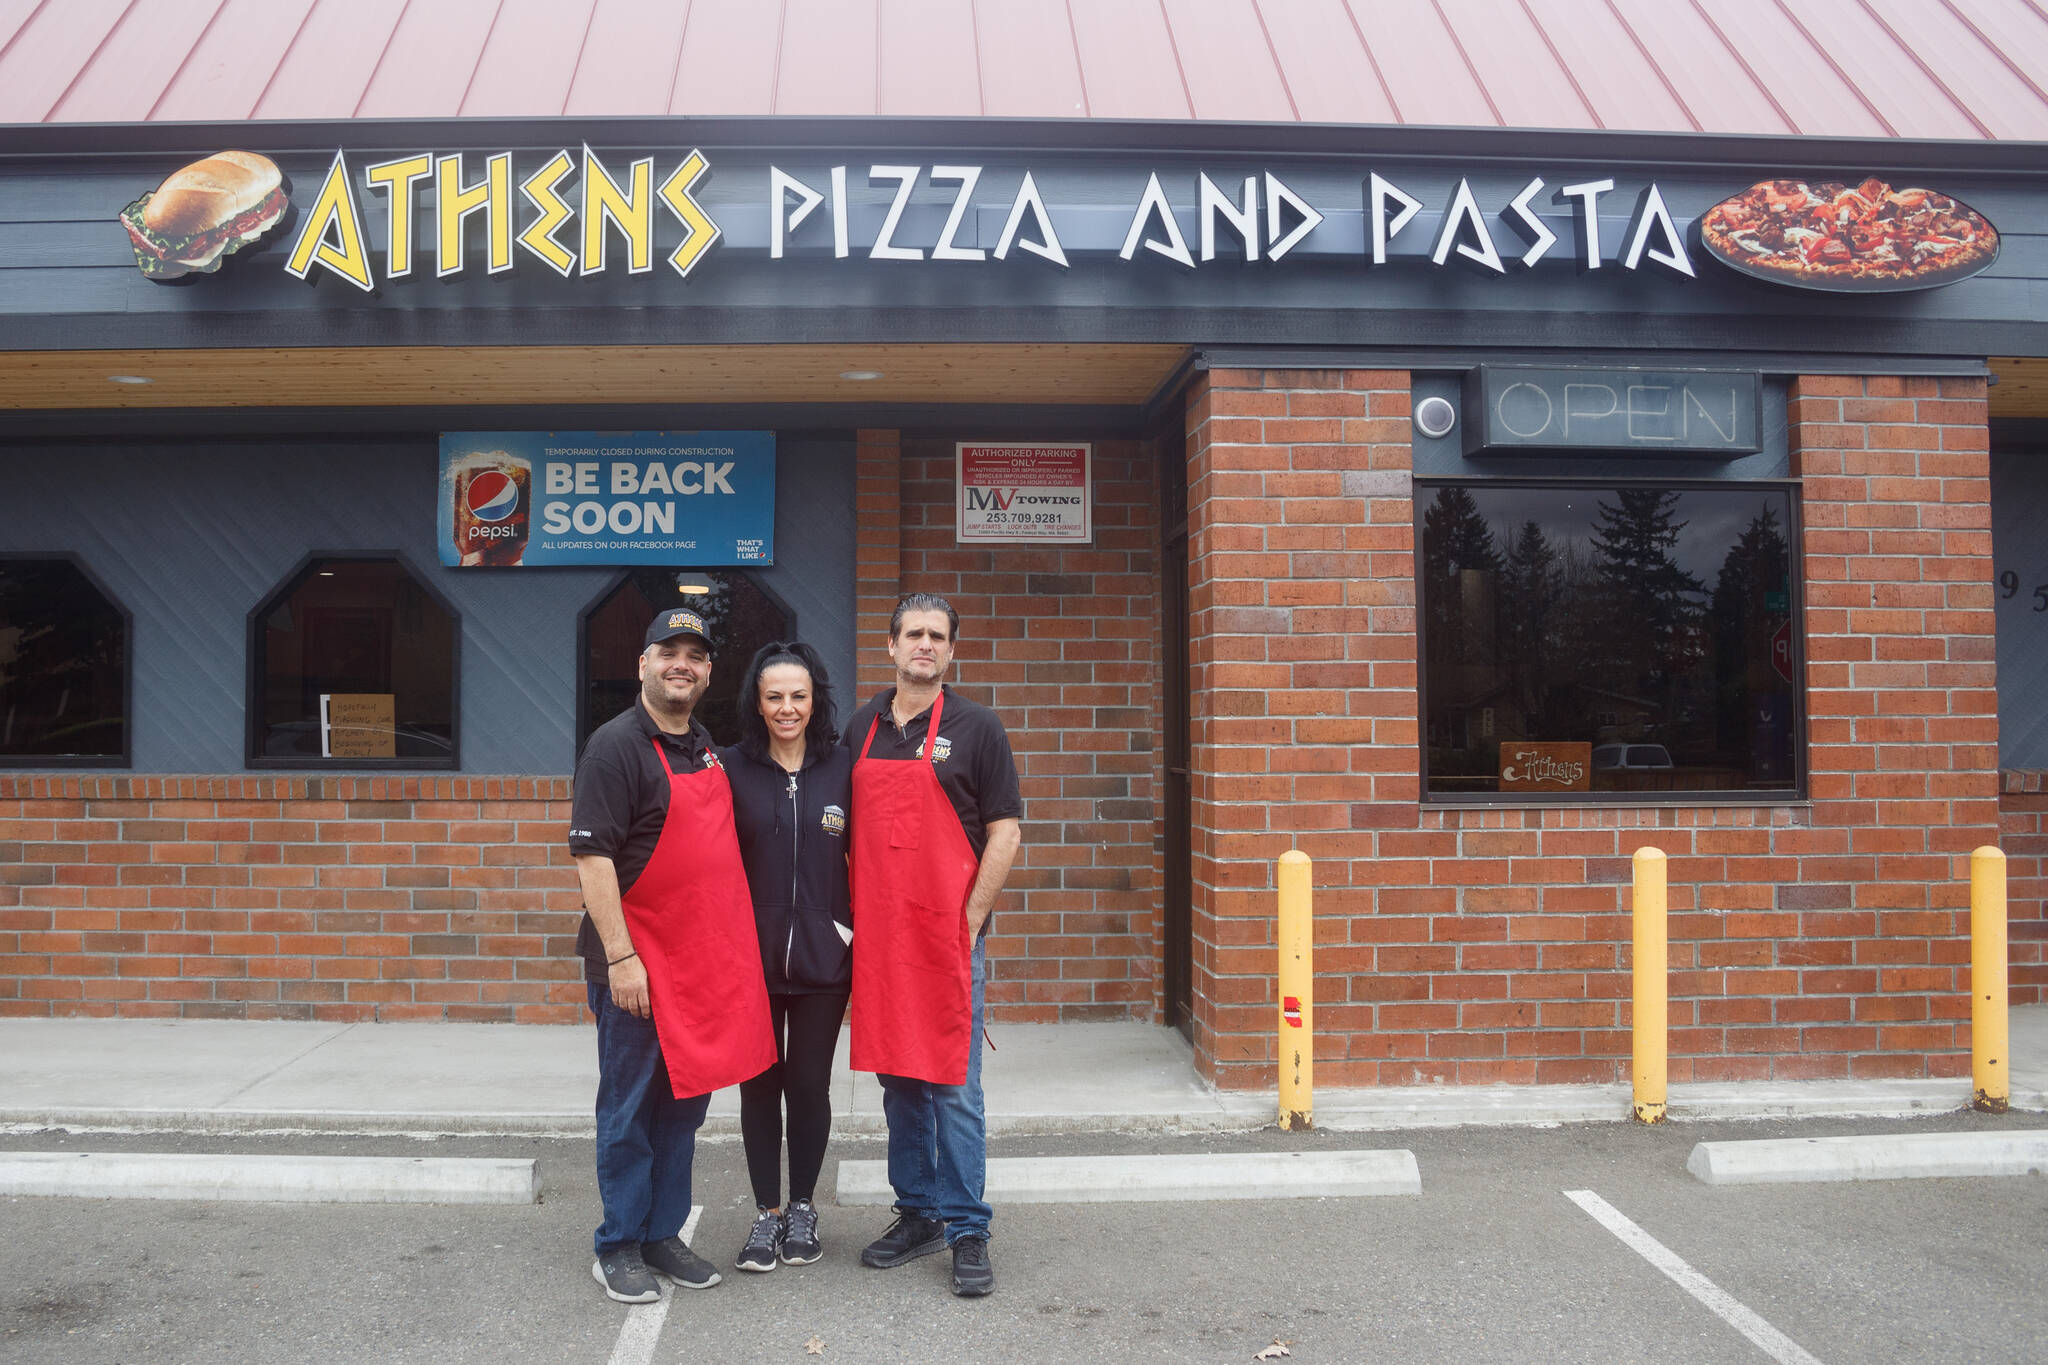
(764, 1241)
(625, 1276)
(800, 1233)
(673, 1258)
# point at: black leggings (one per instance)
(806, 1031)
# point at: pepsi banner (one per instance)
(698, 498)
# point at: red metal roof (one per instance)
(1921, 69)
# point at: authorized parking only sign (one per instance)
(1023, 494)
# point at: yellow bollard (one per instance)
(1296, 933)
(1990, 1067)
(1652, 966)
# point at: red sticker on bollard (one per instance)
(1290, 1010)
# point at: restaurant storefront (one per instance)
(1447, 506)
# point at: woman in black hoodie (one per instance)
(792, 786)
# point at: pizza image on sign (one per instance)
(1862, 238)
(203, 212)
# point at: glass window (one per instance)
(1627, 639)
(741, 615)
(352, 665)
(63, 666)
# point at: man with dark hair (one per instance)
(671, 962)
(935, 829)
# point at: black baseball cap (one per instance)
(667, 625)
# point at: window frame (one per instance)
(618, 580)
(252, 711)
(126, 757)
(1797, 793)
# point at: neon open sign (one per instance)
(1671, 412)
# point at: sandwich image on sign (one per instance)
(210, 209)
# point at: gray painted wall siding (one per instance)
(192, 537)
(2019, 511)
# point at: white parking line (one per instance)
(1767, 1338)
(635, 1345)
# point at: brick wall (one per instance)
(1454, 945)
(405, 898)
(1063, 642)
(1464, 945)
(877, 559)
(2023, 821)
(338, 898)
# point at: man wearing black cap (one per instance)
(671, 960)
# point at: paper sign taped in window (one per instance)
(358, 725)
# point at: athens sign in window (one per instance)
(1599, 641)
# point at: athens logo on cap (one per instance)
(493, 496)
(686, 620)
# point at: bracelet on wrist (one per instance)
(613, 962)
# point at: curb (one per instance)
(1338, 1111)
(1153, 1179)
(1904, 1156)
(281, 1179)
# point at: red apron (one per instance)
(692, 923)
(912, 869)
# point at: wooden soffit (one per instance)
(2020, 387)
(417, 376)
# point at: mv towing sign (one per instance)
(1023, 494)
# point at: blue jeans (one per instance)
(938, 1138)
(646, 1137)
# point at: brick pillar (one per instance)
(1301, 599)
(2023, 816)
(1902, 706)
(877, 555)
(1062, 641)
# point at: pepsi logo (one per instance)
(492, 496)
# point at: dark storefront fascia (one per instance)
(1323, 307)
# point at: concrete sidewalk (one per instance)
(228, 1077)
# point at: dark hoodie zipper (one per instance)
(796, 826)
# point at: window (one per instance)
(63, 666)
(742, 617)
(1590, 640)
(352, 664)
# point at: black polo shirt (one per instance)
(622, 802)
(976, 769)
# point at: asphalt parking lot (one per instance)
(1492, 1262)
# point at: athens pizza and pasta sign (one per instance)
(577, 214)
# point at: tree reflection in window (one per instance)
(63, 666)
(1576, 614)
(740, 614)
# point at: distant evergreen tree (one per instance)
(1657, 602)
(1531, 603)
(1758, 564)
(1460, 563)
(1649, 644)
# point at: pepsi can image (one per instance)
(493, 501)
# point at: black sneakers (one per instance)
(674, 1259)
(972, 1274)
(625, 1276)
(800, 1233)
(909, 1237)
(764, 1240)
